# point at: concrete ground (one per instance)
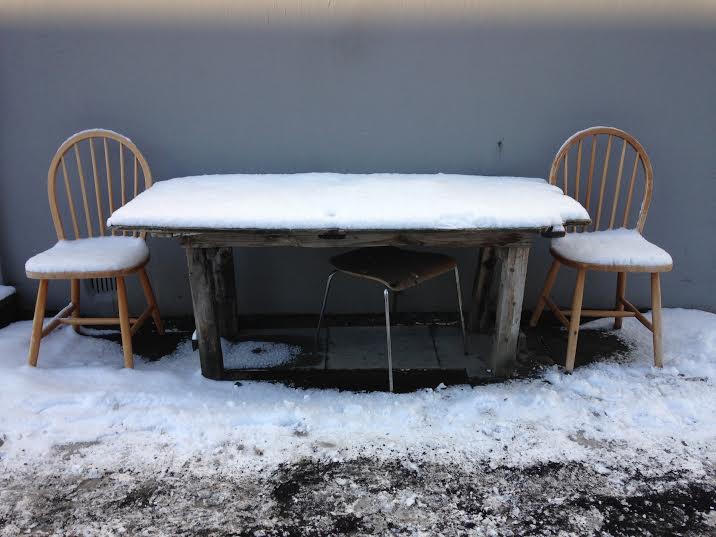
(427, 351)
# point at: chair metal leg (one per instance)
(323, 309)
(459, 304)
(386, 296)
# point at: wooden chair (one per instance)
(93, 252)
(604, 248)
(397, 270)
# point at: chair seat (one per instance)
(395, 268)
(89, 258)
(612, 250)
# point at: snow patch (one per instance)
(6, 291)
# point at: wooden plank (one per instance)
(201, 280)
(225, 298)
(332, 238)
(354, 239)
(512, 275)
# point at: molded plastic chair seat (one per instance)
(89, 258)
(613, 250)
(395, 268)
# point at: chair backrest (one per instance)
(588, 154)
(105, 160)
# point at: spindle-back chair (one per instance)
(105, 157)
(585, 150)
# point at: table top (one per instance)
(314, 201)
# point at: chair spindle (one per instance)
(71, 202)
(603, 185)
(83, 189)
(100, 216)
(617, 187)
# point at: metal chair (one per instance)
(397, 270)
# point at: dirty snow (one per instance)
(350, 201)
(6, 291)
(614, 442)
(96, 254)
(611, 247)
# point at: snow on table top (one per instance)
(614, 247)
(349, 201)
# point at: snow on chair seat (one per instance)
(612, 248)
(88, 257)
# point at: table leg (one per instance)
(512, 274)
(225, 292)
(481, 289)
(201, 278)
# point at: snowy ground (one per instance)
(616, 448)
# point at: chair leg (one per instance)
(151, 300)
(75, 299)
(656, 319)
(619, 306)
(124, 323)
(37, 321)
(386, 296)
(546, 289)
(323, 310)
(459, 305)
(575, 316)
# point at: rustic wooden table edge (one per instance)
(213, 287)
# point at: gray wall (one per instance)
(362, 97)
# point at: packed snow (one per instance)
(6, 291)
(163, 413)
(612, 247)
(350, 201)
(96, 254)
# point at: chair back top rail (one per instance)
(611, 157)
(104, 152)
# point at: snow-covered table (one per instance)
(211, 214)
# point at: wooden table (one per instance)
(212, 214)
